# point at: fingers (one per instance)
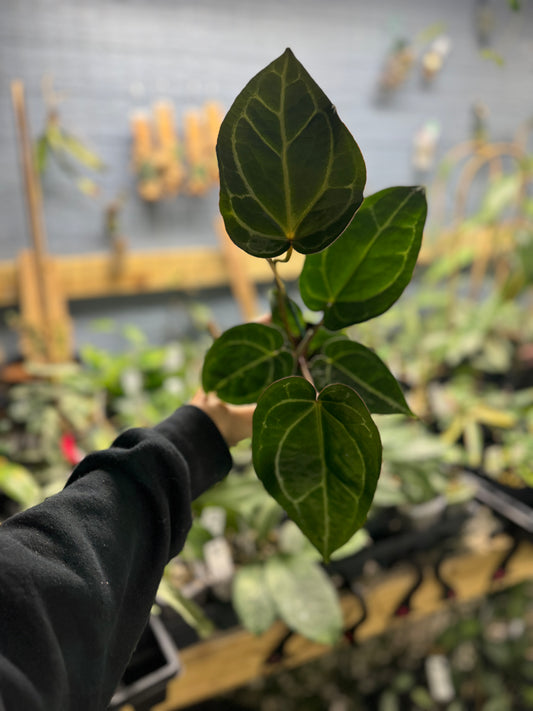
(233, 421)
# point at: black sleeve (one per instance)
(79, 572)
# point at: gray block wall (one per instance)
(110, 57)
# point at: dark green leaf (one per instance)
(344, 361)
(244, 360)
(253, 600)
(318, 457)
(305, 598)
(365, 271)
(287, 314)
(290, 171)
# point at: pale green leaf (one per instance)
(252, 599)
(305, 598)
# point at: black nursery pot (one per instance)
(153, 664)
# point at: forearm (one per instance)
(80, 571)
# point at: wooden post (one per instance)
(241, 285)
(45, 323)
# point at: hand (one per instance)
(234, 422)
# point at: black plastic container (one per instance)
(153, 664)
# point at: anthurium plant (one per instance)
(292, 180)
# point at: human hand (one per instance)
(234, 422)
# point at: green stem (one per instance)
(279, 281)
(305, 370)
(306, 340)
(288, 255)
(282, 295)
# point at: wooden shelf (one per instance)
(234, 658)
(90, 276)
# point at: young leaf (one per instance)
(319, 457)
(365, 271)
(344, 361)
(291, 173)
(252, 599)
(305, 598)
(243, 361)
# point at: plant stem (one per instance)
(279, 281)
(282, 295)
(288, 255)
(305, 370)
(306, 340)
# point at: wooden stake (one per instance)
(33, 193)
(44, 312)
(241, 285)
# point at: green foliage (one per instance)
(252, 599)
(18, 484)
(291, 178)
(305, 598)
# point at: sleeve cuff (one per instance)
(197, 438)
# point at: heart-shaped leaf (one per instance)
(319, 457)
(291, 173)
(244, 360)
(365, 271)
(344, 361)
(252, 599)
(305, 598)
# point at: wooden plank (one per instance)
(237, 262)
(233, 658)
(91, 276)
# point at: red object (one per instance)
(70, 450)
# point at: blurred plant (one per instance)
(18, 483)
(69, 152)
(47, 425)
(274, 573)
(490, 230)
(461, 359)
(398, 65)
(418, 466)
(166, 165)
(433, 58)
(145, 383)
